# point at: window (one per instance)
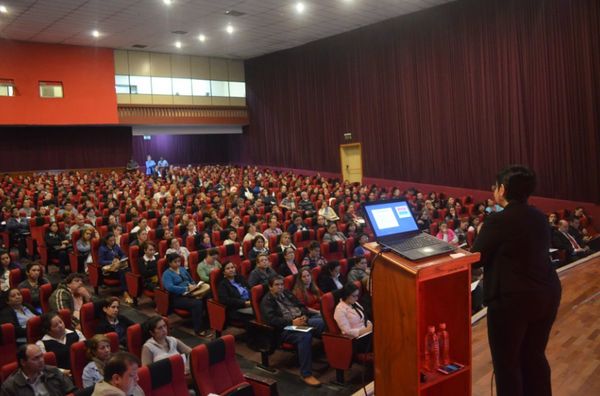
(140, 85)
(237, 89)
(122, 84)
(7, 87)
(200, 87)
(161, 86)
(51, 89)
(219, 88)
(182, 87)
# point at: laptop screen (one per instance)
(390, 218)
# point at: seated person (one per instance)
(190, 230)
(98, 352)
(285, 241)
(142, 225)
(447, 235)
(297, 225)
(84, 249)
(148, 266)
(139, 238)
(71, 295)
(306, 291)
(252, 233)
(258, 247)
(33, 370)
(132, 165)
(110, 320)
(207, 265)
(273, 229)
(203, 241)
(120, 377)
(333, 235)
(351, 230)
(58, 339)
(306, 205)
(112, 260)
(58, 247)
(360, 249)
(178, 282)
(563, 240)
(6, 265)
(314, 258)
(328, 212)
(320, 223)
(280, 309)
(17, 312)
(462, 230)
(234, 293)
(330, 278)
(160, 345)
(231, 237)
(175, 247)
(33, 282)
(288, 266)
(262, 272)
(350, 316)
(359, 271)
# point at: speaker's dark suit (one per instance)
(522, 291)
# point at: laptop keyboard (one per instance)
(414, 243)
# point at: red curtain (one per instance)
(445, 96)
(44, 148)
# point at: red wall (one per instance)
(87, 75)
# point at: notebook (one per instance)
(395, 228)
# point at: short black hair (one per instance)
(275, 278)
(73, 276)
(519, 182)
(22, 353)
(47, 321)
(347, 290)
(118, 363)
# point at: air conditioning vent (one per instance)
(234, 13)
(139, 46)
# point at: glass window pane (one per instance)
(200, 87)
(121, 80)
(122, 89)
(51, 89)
(219, 88)
(161, 86)
(237, 89)
(140, 85)
(182, 86)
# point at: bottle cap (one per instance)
(431, 329)
(442, 326)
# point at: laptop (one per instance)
(395, 228)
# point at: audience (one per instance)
(313, 258)
(333, 235)
(98, 351)
(285, 241)
(17, 312)
(58, 339)
(110, 320)
(33, 281)
(306, 291)
(34, 378)
(288, 265)
(84, 250)
(258, 247)
(350, 316)
(447, 235)
(330, 278)
(234, 293)
(120, 376)
(182, 251)
(58, 246)
(359, 271)
(71, 295)
(6, 265)
(208, 264)
(148, 266)
(160, 345)
(114, 263)
(262, 272)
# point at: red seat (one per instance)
(8, 344)
(231, 253)
(193, 261)
(350, 246)
(304, 238)
(338, 347)
(332, 250)
(217, 312)
(215, 370)
(164, 378)
(45, 292)
(89, 314)
(95, 270)
(161, 295)
(190, 243)
(79, 357)
(34, 326)
(15, 276)
(267, 345)
(136, 338)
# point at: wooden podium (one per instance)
(407, 297)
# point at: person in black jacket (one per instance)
(521, 288)
(110, 321)
(234, 293)
(17, 312)
(58, 246)
(280, 308)
(330, 278)
(564, 239)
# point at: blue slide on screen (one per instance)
(389, 218)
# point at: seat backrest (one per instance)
(190, 243)
(135, 339)
(89, 314)
(8, 369)
(193, 265)
(304, 238)
(134, 254)
(245, 268)
(162, 248)
(8, 344)
(34, 326)
(333, 250)
(79, 357)
(214, 367)
(161, 267)
(26, 293)
(328, 303)
(230, 252)
(45, 292)
(215, 277)
(164, 378)
(256, 295)
(15, 276)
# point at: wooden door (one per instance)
(351, 162)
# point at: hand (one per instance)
(191, 287)
(369, 327)
(247, 304)
(301, 321)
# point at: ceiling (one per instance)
(266, 26)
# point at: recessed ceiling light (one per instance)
(229, 29)
(202, 38)
(178, 44)
(95, 33)
(300, 7)
(168, 2)
(3, 9)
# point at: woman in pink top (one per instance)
(350, 315)
(447, 235)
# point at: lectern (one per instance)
(407, 297)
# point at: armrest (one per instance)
(217, 314)
(95, 273)
(262, 386)
(261, 337)
(161, 298)
(74, 262)
(338, 349)
(31, 245)
(43, 251)
(134, 284)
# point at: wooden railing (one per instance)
(203, 115)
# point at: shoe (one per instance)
(204, 333)
(127, 298)
(311, 381)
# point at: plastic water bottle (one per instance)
(444, 343)
(432, 349)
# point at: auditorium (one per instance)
(299, 197)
